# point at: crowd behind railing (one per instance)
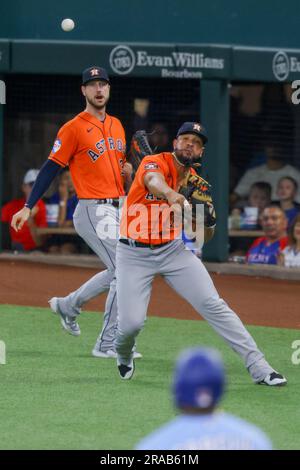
(278, 220)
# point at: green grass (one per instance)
(54, 395)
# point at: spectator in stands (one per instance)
(286, 191)
(140, 118)
(159, 137)
(198, 387)
(259, 198)
(62, 204)
(26, 239)
(277, 115)
(265, 250)
(271, 173)
(245, 105)
(290, 256)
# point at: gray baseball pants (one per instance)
(98, 225)
(186, 274)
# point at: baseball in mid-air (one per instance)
(67, 24)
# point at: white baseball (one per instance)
(67, 24)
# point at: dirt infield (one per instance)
(258, 301)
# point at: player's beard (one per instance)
(185, 160)
(93, 102)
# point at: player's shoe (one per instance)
(111, 353)
(68, 323)
(274, 380)
(126, 372)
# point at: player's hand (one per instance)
(176, 202)
(175, 198)
(20, 218)
(127, 170)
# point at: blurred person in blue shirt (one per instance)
(266, 249)
(198, 386)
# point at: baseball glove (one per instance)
(198, 191)
(139, 148)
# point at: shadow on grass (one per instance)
(25, 353)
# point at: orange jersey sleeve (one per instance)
(151, 163)
(65, 145)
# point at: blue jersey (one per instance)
(71, 204)
(217, 431)
(261, 252)
(291, 214)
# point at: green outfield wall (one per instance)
(264, 23)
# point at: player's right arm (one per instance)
(63, 149)
(157, 185)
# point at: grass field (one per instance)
(55, 395)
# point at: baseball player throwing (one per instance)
(140, 256)
(93, 145)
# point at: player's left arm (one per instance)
(127, 172)
(126, 167)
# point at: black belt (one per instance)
(134, 243)
(113, 202)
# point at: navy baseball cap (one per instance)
(94, 73)
(199, 378)
(193, 128)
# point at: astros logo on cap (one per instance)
(94, 72)
(197, 127)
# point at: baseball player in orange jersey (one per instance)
(93, 145)
(141, 255)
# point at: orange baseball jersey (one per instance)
(95, 153)
(145, 218)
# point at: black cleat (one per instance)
(126, 372)
(274, 380)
